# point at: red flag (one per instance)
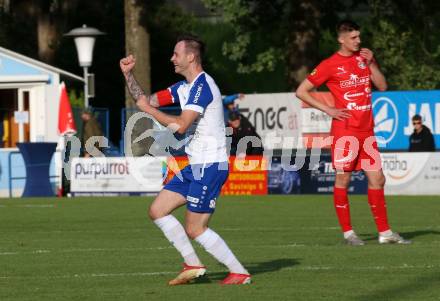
(66, 122)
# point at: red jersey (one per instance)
(349, 81)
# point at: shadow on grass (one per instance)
(408, 291)
(254, 269)
(406, 235)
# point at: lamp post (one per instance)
(84, 38)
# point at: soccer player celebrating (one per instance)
(200, 182)
(348, 74)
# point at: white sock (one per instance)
(348, 233)
(175, 233)
(217, 247)
(386, 233)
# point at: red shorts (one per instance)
(353, 150)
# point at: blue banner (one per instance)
(393, 112)
(316, 176)
(319, 177)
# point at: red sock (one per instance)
(376, 199)
(340, 200)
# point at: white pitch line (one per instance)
(35, 206)
(160, 273)
(28, 206)
(82, 250)
(91, 250)
(359, 268)
(137, 274)
(255, 229)
(82, 231)
(268, 229)
(262, 229)
(294, 245)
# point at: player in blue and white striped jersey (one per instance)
(199, 187)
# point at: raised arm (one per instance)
(377, 76)
(148, 104)
(137, 93)
(303, 93)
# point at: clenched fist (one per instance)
(127, 64)
(368, 55)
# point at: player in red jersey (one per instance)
(348, 74)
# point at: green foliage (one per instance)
(242, 15)
(16, 28)
(224, 70)
(76, 101)
(401, 33)
(404, 68)
(281, 35)
(327, 43)
(248, 45)
(404, 43)
(165, 23)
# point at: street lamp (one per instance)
(84, 38)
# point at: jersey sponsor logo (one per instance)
(348, 96)
(361, 62)
(354, 81)
(362, 65)
(199, 91)
(354, 107)
(192, 199)
(341, 70)
(386, 119)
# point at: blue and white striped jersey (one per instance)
(208, 142)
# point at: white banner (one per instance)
(315, 121)
(275, 116)
(411, 173)
(114, 175)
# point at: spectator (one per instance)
(422, 139)
(90, 128)
(2, 130)
(241, 128)
(229, 104)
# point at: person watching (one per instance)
(421, 140)
(242, 128)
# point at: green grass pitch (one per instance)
(107, 249)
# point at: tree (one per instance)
(51, 18)
(289, 31)
(5, 5)
(302, 40)
(408, 52)
(137, 43)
